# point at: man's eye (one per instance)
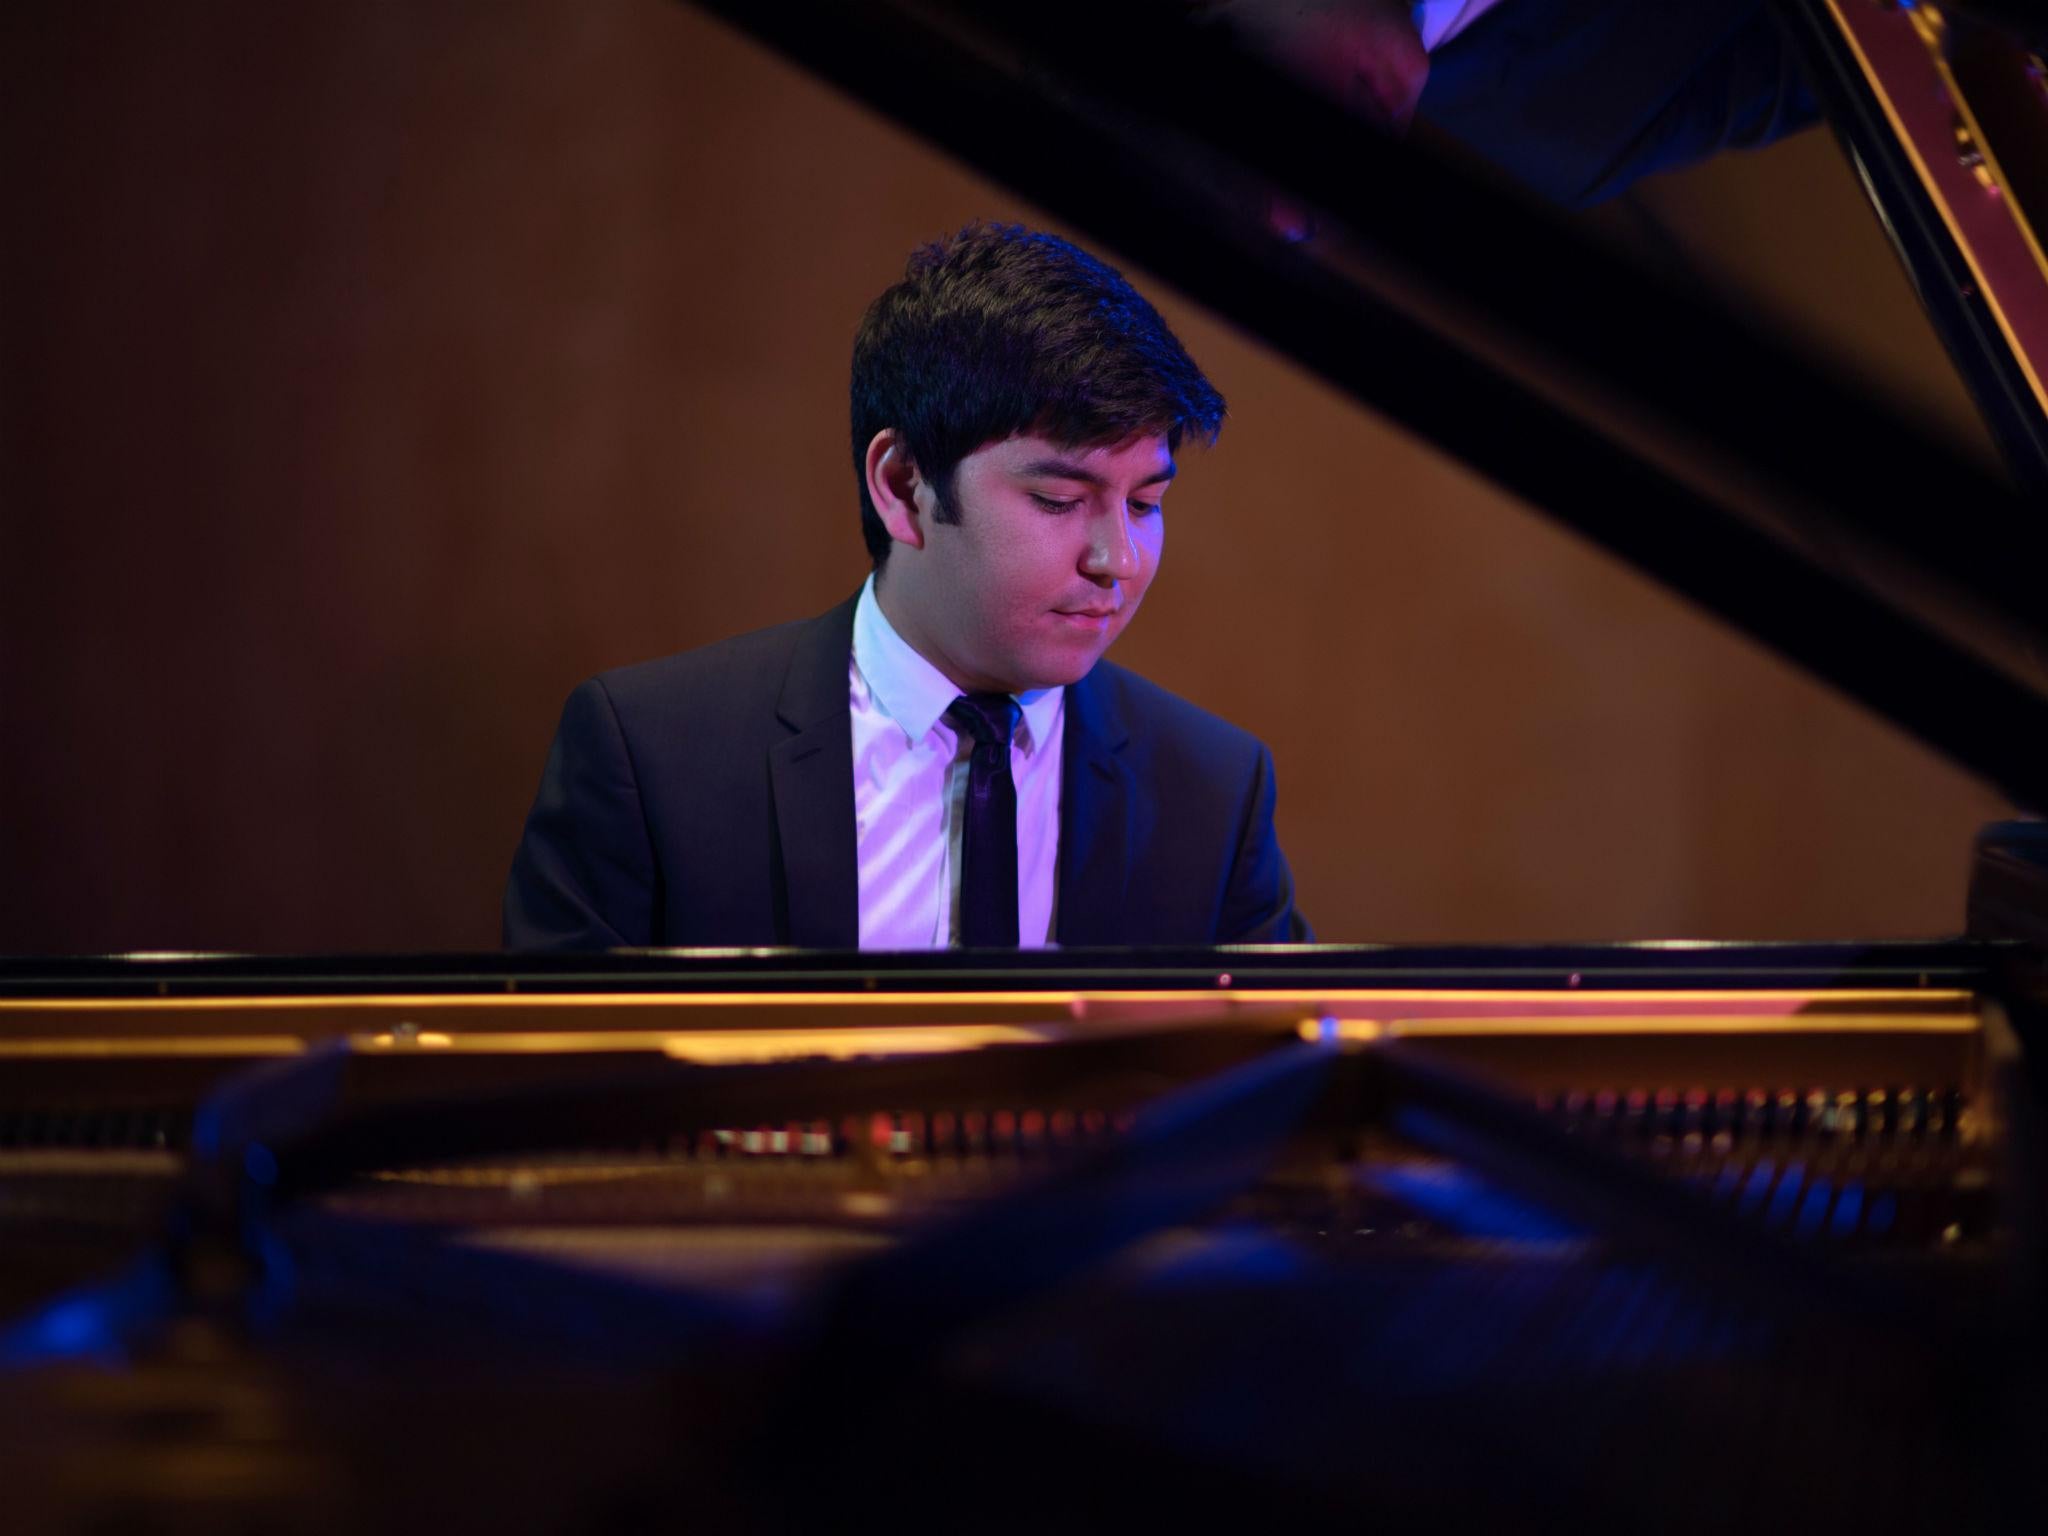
(1144, 508)
(1053, 503)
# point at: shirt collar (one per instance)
(914, 693)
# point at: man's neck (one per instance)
(902, 620)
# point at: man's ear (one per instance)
(893, 486)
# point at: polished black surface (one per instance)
(1938, 963)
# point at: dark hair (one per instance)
(999, 330)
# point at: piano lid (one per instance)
(1944, 115)
(1750, 478)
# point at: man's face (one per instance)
(1052, 554)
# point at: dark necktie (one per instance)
(988, 843)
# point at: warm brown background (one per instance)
(372, 372)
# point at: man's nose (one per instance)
(1112, 552)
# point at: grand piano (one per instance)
(1665, 1233)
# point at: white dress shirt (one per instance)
(1438, 21)
(910, 790)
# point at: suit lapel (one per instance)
(1094, 818)
(811, 775)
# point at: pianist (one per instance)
(944, 758)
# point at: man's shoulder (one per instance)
(752, 656)
(1162, 717)
(741, 670)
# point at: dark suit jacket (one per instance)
(1578, 99)
(707, 799)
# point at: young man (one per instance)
(943, 758)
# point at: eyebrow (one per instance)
(1066, 469)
